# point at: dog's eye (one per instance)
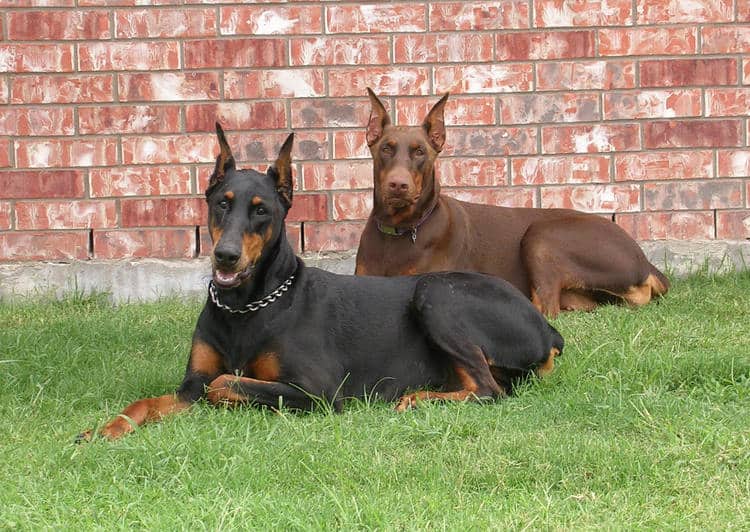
(387, 149)
(419, 152)
(223, 204)
(260, 211)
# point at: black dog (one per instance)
(276, 333)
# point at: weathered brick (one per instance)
(743, 12)
(746, 71)
(375, 18)
(681, 12)
(61, 89)
(235, 53)
(66, 152)
(501, 197)
(169, 149)
(647, 41)
(692, 195)
(587, 75)
(458, 111)
(43, 245)
(545, 45)
(326, 50)
(5, 146)
(27, 184)
(692, 133)
(241, 115)
(332, 236)
(725, 40)
(734, 163)
(309, 207)
(555, 108)
(590, 138)
(271, 20)
(667, 225)
(162, 212)
(557, 13)
(286, 83)
(263, 147)
(683, 72)
(329, 113)
(153, 55)
(399, 80)
(663, 165)
(491, 141)
(728, 102)
(339, 175)
(168, 86)
(142, 243)
(470, 16)
(733, 225)
(484, 78)
(65, 214)
(471, 172)
(561, 170)
(350, 145)
(128, 119)
(352, 205)
(30, 121)
(39, 3)
(442, 48)
(165, 23)
(139, 181)
(4, 91)
(5, 218)
(36, 57)
(58, 25)
(592, 198)
(652, 104)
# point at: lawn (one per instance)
(645, 425)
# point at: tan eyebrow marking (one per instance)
(256, 200)
(229, 195)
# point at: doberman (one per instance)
(559, 258)
(276, 333)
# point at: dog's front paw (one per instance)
(406, 402)
(84, 437)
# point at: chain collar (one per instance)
(401, 231)
(254, 305)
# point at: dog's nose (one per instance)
(226, 256)
(398, 184)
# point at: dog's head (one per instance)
(403, 156)
(246, 212)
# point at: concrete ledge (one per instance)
(149, 279)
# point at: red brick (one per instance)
(244, 115)
(352, 205)
(141, 243)
(556, 13)
(357, 51)
(235, 53)
(66, 152)
(65, 214)
(557, 108)
(339, 175)
(668, 225)
(484, 78)
(308, 207)
(263, 147)
(743, 12)
(385, 80)
(25, 121)
(375, 18)
(727, 102)
(168, 86)
(746, 71)
(38, 3)
(592, 198)
(733, 225)
(36, 57)
(469, 16)
(590, 138)
(725, 40)
(545, 45)
(139, 181)
(129, 119)
(501, 197)
(4, 91)
(169, 149)
(692, 133)
(58, 25)
(339, 112)
(662, 165)
(111, 3)
(271, 20)
(165, 23)
(27, 184)
(458, 111)
(692, 195)
(471, 172)
(682, 12)
(586, 75)
(152, 55)
(5, 145)
(443, 48)
(561, 170)
(682, 72)
(734, 163)
(350, 145)
(5, 212)
(53, 245)
(286, 83)
(492, 141)
(647, 41)
(652, 104)
(163, 212)
(332, 236)
(61, 89)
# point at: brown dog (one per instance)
(562, 259)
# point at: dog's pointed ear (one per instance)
(434, 124)
(281, 171)
(378, 119)
(224, 161)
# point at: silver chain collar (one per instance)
(254, 305)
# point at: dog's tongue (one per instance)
(226, 278)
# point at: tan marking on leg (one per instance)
(143, 411)
(657, 287)
(575, 300)
(548, 366)
(221, 391)
(467, 391)
(638, 295)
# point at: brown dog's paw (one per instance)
(84, 437)
(407, 402)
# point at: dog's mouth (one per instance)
(399, 202)
(225, 279)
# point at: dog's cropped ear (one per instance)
(378, 119)
(281, 171)
(224, 161)
(434, 124)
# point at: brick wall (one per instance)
(636, 109)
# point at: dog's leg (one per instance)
(234, 390)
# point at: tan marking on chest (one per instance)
(205, 359)
(265, 367)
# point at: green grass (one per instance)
(644, 425)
